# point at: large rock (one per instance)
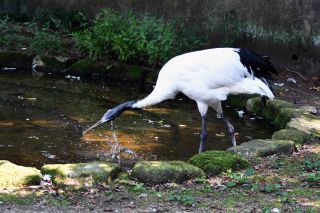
(13, 176)
(297, 136)
(81, 175)
(306, 123)
(215, 162)
(165, 171)
(262, 148)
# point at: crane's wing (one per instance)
(215, 73)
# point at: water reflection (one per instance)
(41, 121)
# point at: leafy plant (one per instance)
(271, 187)
(128, 38)
(138, 187)
(183, 198)
(312, 164)
(313, 178)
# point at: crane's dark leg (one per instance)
(230, 129)
(203, 135)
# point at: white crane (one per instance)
(206, 77)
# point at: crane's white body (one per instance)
(207, 77)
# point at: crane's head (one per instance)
(111, 114)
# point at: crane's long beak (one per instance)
(111, 114)
(93, 126)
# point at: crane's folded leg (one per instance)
(230, 130)
(203, 135)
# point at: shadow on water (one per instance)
(41, 122)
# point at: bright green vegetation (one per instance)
(128, 38)
(13, 176)
(215, 162)
(165, 171)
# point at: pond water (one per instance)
(41, 120)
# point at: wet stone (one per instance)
(165, 171)
(13, 176)
(81, 175)
(262, 148)
(215, 162)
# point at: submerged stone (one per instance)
(306, 123)
(262, 148)
(297, 136)
(215, 162)
(165, 171)
(51, 63)
(81, 175)
(13, 176)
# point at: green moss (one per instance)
(273, 107)
(261, 148)
(215, 162)
(165, 171)
(81, 174)
(299, 137)
(13, 176)
(284, 115)
(239, 100)
(253, 105)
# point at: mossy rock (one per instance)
(49, 63)
(297, 136)
(307, 123)
(126, 72)
(253, 105)
(82, 67)
(278, 111)
(239, 100)
(262, 148)
(273, 107)
(215, 162)
(155, 172)
(284, 115)
(14, 176)
(80, 175)
(14, 59)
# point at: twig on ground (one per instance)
(288, 70)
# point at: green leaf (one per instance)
(231, 184)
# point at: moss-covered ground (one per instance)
(288, 183)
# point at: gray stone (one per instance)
(310, 109)
(306, 123)
(262, 148)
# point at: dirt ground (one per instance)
(274, 184)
